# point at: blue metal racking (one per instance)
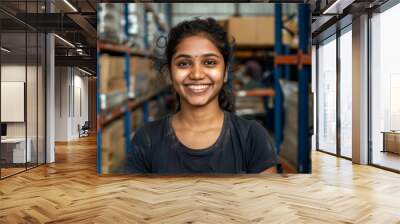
(127, 115)
(304, 160)
(302, 61)
(277, 75)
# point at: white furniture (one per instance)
(18, 145)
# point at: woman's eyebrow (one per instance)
(211, 54)
(190, 56)
(182, 56)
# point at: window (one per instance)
(345, 42)
(326, 91)
(385, 88)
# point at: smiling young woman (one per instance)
(204, 135)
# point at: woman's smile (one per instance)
(198, 88)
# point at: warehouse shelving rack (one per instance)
(303, 61)
(106, 116)
(281, 56)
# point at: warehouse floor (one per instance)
(70, 191)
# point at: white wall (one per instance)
(80, 94)
(13, 73)
(71, 93)
(61, 103)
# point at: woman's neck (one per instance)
(200, 118)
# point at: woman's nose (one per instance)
(196, 72)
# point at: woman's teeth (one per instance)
(198, 88)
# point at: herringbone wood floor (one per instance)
(70, 191)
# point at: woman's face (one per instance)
(197, 71)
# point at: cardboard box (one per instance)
(144, 78)
(111, 134)
(112, 74)
(265, 30)
(113, 147)
(256, 31)
(243, 30)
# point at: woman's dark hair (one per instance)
(210, 29)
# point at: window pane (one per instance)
(345, 94)
(327, 97)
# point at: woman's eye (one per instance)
(210, 62)
(183, 64)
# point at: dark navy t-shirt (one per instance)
(243, 146)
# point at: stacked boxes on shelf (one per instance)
(257, 30)
(151, 27)
(135, 18)
(125, 72)
(142, 76)
(113, 92)
(156, 28)
(113, 89)
(120, 24)
(111, 23)
(113, 147)
(112, 77)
